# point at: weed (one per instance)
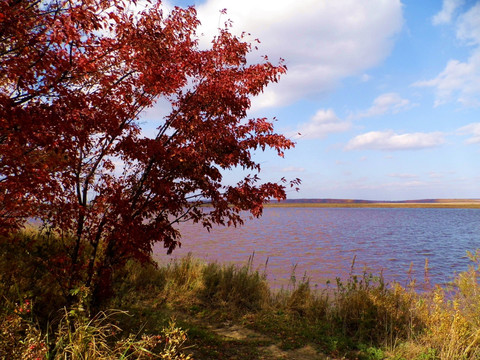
(81, 337)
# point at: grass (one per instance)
(222, 311)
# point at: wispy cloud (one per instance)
(389, 103)
(402, 176)
(468, 28)
(324, 122)
(436, 175)
(473, 130)
(338, 39)
(444, 16)
(389, 140)
(294, 169)
(460, 80)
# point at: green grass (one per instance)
(222, 311)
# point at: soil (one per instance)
(272, 351)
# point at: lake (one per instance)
(322, 242)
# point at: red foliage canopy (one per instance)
(74, 78)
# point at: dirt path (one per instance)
(272, 351)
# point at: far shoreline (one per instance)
(433, 204)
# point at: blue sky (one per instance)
(385, 93)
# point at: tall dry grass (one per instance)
(79, 336)
(451, 317)
(361, 315)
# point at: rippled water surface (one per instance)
(322, 242)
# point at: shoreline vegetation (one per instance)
(346, 203)
(190, 309)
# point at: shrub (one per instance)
(369, 310)
(28, 270)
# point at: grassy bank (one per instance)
(214, 311)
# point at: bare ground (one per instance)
(272, 351)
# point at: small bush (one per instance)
(136, 282)
(28, 270)
(19, 337)
(370, 311)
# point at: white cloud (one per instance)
(322, 41)
(324, 122)
(365, 77)
(403, 176)
(415, 183)
(460, 81)
(293, 169)
(469, 26)
(472, 130)
(389, 140)
(389, 103)
(448, 9)
(435, 175)
(412, 184)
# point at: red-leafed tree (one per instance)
(74, 79)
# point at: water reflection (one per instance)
(322, 242)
